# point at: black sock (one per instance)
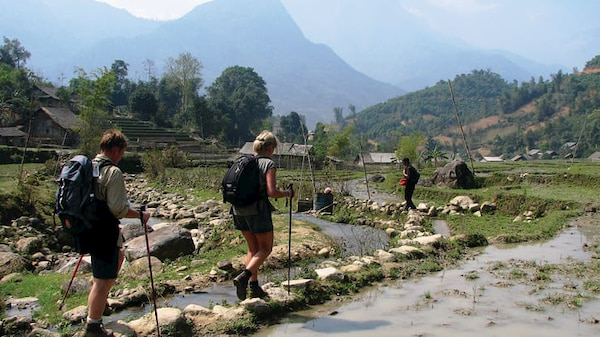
(247, 272)
(254, 284)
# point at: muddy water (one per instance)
(477, 299)
(353, 240)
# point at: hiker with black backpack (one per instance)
(105, 240)
(252, 212)
(411, 176)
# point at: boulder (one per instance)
(462, 201)
(140, 268)
(168, 242)
(133, 230)
(76, 315)
(29, 245)
(169, 319)
(12, 263)
(455, 174)
(330, 274)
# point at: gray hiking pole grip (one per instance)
(291, 188)
(145, 225)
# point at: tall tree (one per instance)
(121, 91)
(93, 92)
(13, 54)
(186, 72)
(15, 90)
(409, 146)
(292, 128)
(143, 104)
(338, 114)
(343, 145)
(169, 100)
(320, 144)
(240, 96)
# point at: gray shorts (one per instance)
(259, 223)
(106, 269)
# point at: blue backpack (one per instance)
(75, 203)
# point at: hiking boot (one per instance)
(96, 330)
(107, 310)
(258, 292)
(241, 285)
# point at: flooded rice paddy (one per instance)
(498, 293)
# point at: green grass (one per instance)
(502, 228)
(9, 175)
(47, 289)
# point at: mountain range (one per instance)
(302, 76)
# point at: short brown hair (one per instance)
(113, 138)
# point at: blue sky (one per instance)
(562, 32)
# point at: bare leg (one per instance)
(260, 246)
(99, 293)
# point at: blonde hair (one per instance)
(264, 139)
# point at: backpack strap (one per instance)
(101, 164)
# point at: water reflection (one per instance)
(353, 240)
(450, 303)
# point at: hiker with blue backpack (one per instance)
(104, 241)
(248, 184)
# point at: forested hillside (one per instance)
(498, 117)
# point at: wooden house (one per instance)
(287, 155)
(47, 97)
(376, 159)
(50, 125)
(492, 159)
(12, 136)
(519, 157)
(595, 156)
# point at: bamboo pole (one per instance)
(461, 127)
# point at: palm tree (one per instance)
(435, 155)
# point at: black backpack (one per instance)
(416, 177)
(75, 203)
(241, 183)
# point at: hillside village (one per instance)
(54, 125)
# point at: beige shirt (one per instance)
(111, 188)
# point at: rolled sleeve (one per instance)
(116, 193)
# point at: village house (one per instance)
(519, 157)
(595, 156)
(50, 125)
(12, 136)
(47, 97)
(287, 155)
(492, 160)
(372, 159)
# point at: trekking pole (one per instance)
(142, 209)
(62, 302)
(291, 188)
